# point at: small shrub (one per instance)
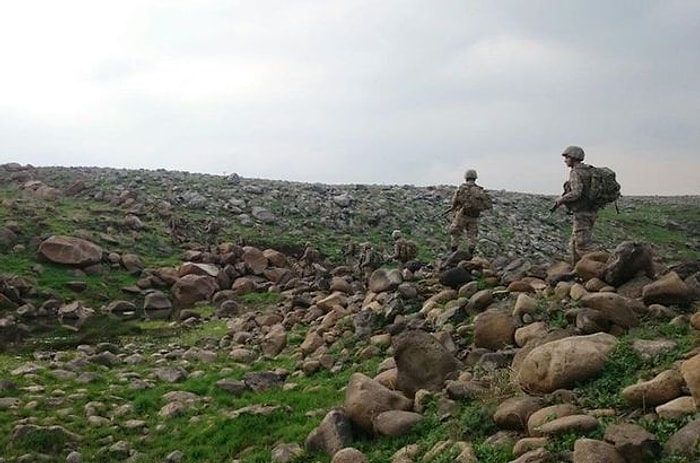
(43, 440)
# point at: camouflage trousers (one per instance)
(460, 224)
(582, 234)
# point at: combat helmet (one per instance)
(470, 174)
(574, 152)
(396, 234)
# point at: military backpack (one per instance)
(407, 250)
(473, 199)
(604, 187)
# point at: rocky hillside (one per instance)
(167, 316)
(288, 214)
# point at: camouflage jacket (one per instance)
(310, 256)
(370, 258)
(577, 189)
(470, 199)
(405, 250)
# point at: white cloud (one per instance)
(355, 92)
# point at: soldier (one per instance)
(310, 257)
(211, 231)
(576, 199)
(404, 250)
(370, 260)
(468, 202)
(176, 229)
(350, 251)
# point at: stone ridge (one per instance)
(518, 226)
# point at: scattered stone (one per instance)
(562, 363)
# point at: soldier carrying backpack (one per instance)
(587, 191)
(404, 249)
(468, 202)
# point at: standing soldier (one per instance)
(176, 229)
(350, 250)
(468, 202)
(576, 198)
(404, 250)
(211, 231)
(370, 260)
(310, 257)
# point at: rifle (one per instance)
(444, 213)
(553, 209)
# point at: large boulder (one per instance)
(594, 451)
(548, 414)
(618, 309)
(627, 260)
(333, 434)
(514, 412)
(274, 341)
(494, 329)
(633, 442)
(422, 362)
(7, 236)
(275, 258)
(455, 277)
(157, 306)
(383, 280)
(196, 268)
(561, 364)
(132, 263)
(192, 288)
(685, 442)
(254, 259)
(69, 250)
(690, 369)
(665, 386)
(365, 399)
(591, 265)
(667, 290)
(395, 423)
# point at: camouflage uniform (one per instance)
(176, 229)
(308, 259)
(575, 198)
(370, 260)
(350, 251)
(465, 220)
(404, 250)
(211, 231)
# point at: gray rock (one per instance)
(422, 362)
(333, 434)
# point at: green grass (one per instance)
(41, 440)
(207, 432)
(261, 299)
(620, 370)
(666, 226)
(625, 366)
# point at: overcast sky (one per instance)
(357, 91)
